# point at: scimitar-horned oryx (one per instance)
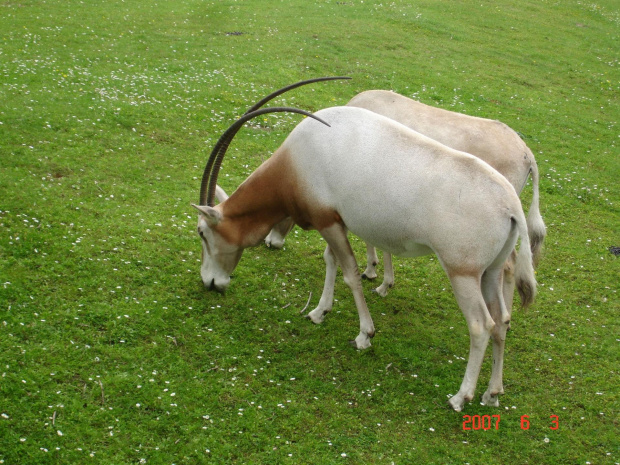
(470, 219)
(490, 140)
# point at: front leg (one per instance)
(336, 238)
(388, 275)
(371, 262)
(275, 238)
(327, 298)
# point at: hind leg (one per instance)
(468, 294)
(493, 296)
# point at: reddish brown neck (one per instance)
(255, 207)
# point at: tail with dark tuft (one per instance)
(535, 226)
(525, 279)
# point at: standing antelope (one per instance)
(489, 140)
(433, 199)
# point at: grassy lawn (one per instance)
(112, 352)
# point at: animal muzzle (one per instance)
(218, 287)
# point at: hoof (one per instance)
(456, 405)
(490, 400)
(369, 278)
(316, 316)
(458, 401)
(274, 243)
(381, 290)
(361, 342)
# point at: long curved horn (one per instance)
(222, 143)
(209, 177)
(290, 87)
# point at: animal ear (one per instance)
(212, 216)
(220, 195)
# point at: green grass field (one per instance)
(111, 350)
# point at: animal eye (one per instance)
(204, 241)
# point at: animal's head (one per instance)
(219, 257)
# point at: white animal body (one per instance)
(489, 140)
(433, 199)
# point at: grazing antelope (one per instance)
(433, 200)
(489, 140)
